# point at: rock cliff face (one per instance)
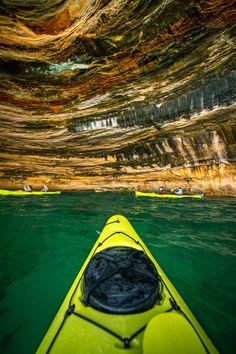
(119, 94)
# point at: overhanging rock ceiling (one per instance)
(120, 94)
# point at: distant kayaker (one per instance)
(161, 190)
(27, 189)
(44, 189)
(179, 191)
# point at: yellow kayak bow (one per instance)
(122, 302)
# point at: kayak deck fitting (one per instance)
(20, 192)
(122, 302)
(167, 195)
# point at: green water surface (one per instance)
(45, 240)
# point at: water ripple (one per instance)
(45, 240)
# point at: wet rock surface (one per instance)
(122, 95)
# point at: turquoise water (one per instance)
(45, 240)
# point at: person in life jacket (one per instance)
(44, 189)
(179, 191)
(27, 189)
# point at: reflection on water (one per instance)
(45, 240)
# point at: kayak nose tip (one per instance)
(117, 218)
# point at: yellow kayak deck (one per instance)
(167, 327)
(167, 195)
(21, 193)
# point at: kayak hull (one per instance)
(175, 196)
(78, 328)
(23, 193)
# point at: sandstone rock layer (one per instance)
(120, 94)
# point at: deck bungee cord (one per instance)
(71, 310)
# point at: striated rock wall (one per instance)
(118, 94)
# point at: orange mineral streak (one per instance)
(54, 26)
(56, 109)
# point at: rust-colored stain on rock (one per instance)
(123, 95)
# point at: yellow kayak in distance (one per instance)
(167, 195)
(21, 193)
(122, 302)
